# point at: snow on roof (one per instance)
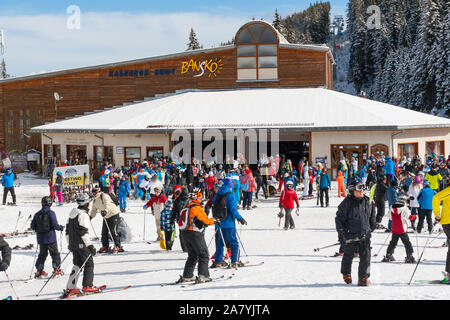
(301, 108)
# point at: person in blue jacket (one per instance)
(46, 238)
(425, 199)
(227, 227)
(124, 191)
(235, 179)
(389, 169)
(8, 186)
(324, 185)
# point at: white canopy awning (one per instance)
(297, 108)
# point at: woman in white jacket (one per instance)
(413, 193)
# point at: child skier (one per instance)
(341, 188)
(77, 233)
(413, 192)
(45, 223)
(166, 224)
(124, 191)
(399, 214)
(157, 202)
(287, 198)
(59, 187)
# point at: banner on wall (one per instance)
(73, 175)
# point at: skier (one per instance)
(8, 186)
(341, 187)
(124, 191)
(324, 185)
(443, 217)
(389, 168)
(45, 223)
(261, 183)
(195, 242)
(77, 233)
(157, 202)
(287, 198)
(110, 213)
(5, 260)
(434, 177)
(380, 198)
(355, 220)
(248, 186)
(391, 196)
(425, 199)
(225, 206)
(166, 224)
(181, 200)
(413, 192)
(400, 214)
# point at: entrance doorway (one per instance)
(346, 152)
(76, 155)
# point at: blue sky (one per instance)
(38, 40)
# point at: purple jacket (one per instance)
(47, 237)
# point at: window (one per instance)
(408, 150)
(17, 124)
(56, 152)
(132, 154)
(102, 155)
(257, 52)
(155, 152)
(436, 147)
(76, 155)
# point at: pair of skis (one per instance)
(102, 289)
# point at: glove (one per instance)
(92, 250)
(153, 211)
(61, 228)
(103, 213)
(280, 214)
(218, 222)
(242, 221)
(411, 198)
(198, 223)
(341, 236)
(280, 206)
(3, 266)
(297, 211)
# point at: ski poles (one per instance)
(95, 233)
(53, 274)
(376, 254)
(421, 255)
(143, 235)
(17, 222)
(25, 223)
(329, 246)
(12, 287)
(34, 260)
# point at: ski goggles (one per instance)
(359, 187)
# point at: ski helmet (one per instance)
(83, 199)
(355, 184)
(402, 198)
(426, 183)
(47, 201)
(289, 183)
(59, 173)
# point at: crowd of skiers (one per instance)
(199, 195)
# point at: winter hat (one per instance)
(248, 171)
(417, 179)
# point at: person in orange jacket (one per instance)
(341, 187)
(195, 241)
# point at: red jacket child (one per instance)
(287, 198)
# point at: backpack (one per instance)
(183, 221)
(219, 209)
(43, 223)
(246, 185)
(113, 197)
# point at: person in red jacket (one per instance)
(210, 181)
(287, 198)
(156, 203)
(400, 214)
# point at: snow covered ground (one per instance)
(291, 269)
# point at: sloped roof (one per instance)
(301, 108)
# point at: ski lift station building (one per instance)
(131, 110)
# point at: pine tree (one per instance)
(193, 44)
(277, 21)
(3, 73)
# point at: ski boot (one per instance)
(183, 279)
(387, 230)
(388, 258)
(347, 278)
(364, 282)
(104, 250)
(57, 273)
(67, 293)
(446, 277)
(40, 274)
(292, 227)
(410, 259)
(91, 290)
(202, 279)
(338, 254)
(237, 264)
(219, 264)
(117, 249)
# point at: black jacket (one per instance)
(380, 191)
(178, 204)
(355, 217)
(6, 251)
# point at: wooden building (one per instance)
(260, 57)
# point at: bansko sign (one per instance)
(206, 67)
